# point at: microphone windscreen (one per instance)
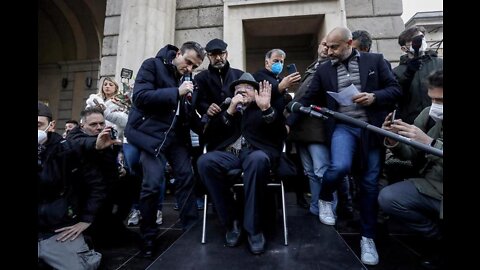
(294, 106)
(227, 101)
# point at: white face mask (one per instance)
(424, 46)
(42, 135)
(436, 112)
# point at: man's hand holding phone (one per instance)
(392, 119)
(291, 79)
(292, 68)
(389, 120)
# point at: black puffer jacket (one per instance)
(152, 120)
(69, 190)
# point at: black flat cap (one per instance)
(245, 78)
(216, 45)
(44, 110)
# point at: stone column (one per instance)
(145, 27)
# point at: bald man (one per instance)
(378, 91)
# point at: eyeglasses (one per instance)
(246, 87)
(215, 54)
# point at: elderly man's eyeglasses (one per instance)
(244, 87)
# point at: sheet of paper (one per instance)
(344, 95)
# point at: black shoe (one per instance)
(147, 249)
(433, 256)
(256, 243)
(302, 202)
(432, 263)
(232, 237)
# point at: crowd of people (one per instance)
(196, 127)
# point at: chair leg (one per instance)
(204, 219)
(285, 231)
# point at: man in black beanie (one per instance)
(69, 195)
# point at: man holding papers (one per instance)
(377, 93)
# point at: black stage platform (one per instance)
(311, 246)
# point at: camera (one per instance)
(113, 133)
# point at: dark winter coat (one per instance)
(213, 86)
(152, 121)
(69, 190)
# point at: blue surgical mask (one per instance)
(277, 68)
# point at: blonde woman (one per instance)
(114, 105)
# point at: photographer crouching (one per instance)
(102, 149)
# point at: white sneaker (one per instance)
(159, 220)
(134, 217)
(369, 251)
(325, 212)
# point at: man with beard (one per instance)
(213, 83)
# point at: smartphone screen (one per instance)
(292, 68)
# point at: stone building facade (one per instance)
(82, 39)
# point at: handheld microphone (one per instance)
(205, 118)
(239, 107)
(225, 103)
(188, 78)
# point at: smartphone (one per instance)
(292, 68)
(393, 116)
(113, 133)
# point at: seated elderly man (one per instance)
(249, 136)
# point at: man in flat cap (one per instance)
(249, 136)
(69, 196)
(213, 83)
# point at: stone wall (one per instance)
(202, 20)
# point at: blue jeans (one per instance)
(132, 158)
(315, 159)
(153, 167)
(345, 141)
(418, 211)
(132, 162)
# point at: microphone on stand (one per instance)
(321, 112)
(298, 107)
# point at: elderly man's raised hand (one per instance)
(263, 95)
